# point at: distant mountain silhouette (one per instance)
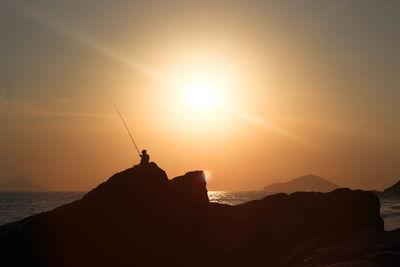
(307, 183)
(20, 183)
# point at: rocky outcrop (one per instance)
(191, 188)
(281, 221)
(367, 249)
(140, 218)
(390, 192)
(393, 191)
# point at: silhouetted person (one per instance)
(144, 157)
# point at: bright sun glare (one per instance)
(202, 94)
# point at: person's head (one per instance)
(144, 151)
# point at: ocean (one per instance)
(18, 205)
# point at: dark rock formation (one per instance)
(140, 218)
(307, 183)
(366, 249)
(191, 188)
(390, 192)
(393, 191)
(377, 193)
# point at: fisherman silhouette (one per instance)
(144, 157)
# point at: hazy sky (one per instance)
(292, 88)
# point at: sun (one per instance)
(202, 94)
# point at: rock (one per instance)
(140, 218)
(368, 249)
(136, 218)
(361, 263)
(191, 187)
(280, 222)
(377, 193)
(393, 191)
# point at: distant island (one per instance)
(307, 183)
(21, 184)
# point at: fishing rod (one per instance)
(126, 127)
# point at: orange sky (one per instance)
(296, 88)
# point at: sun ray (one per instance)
(202, 95)
(272, 127)
(87, 41)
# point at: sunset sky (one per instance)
(254, 92)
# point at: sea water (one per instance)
(390, 213)
(18, 205)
